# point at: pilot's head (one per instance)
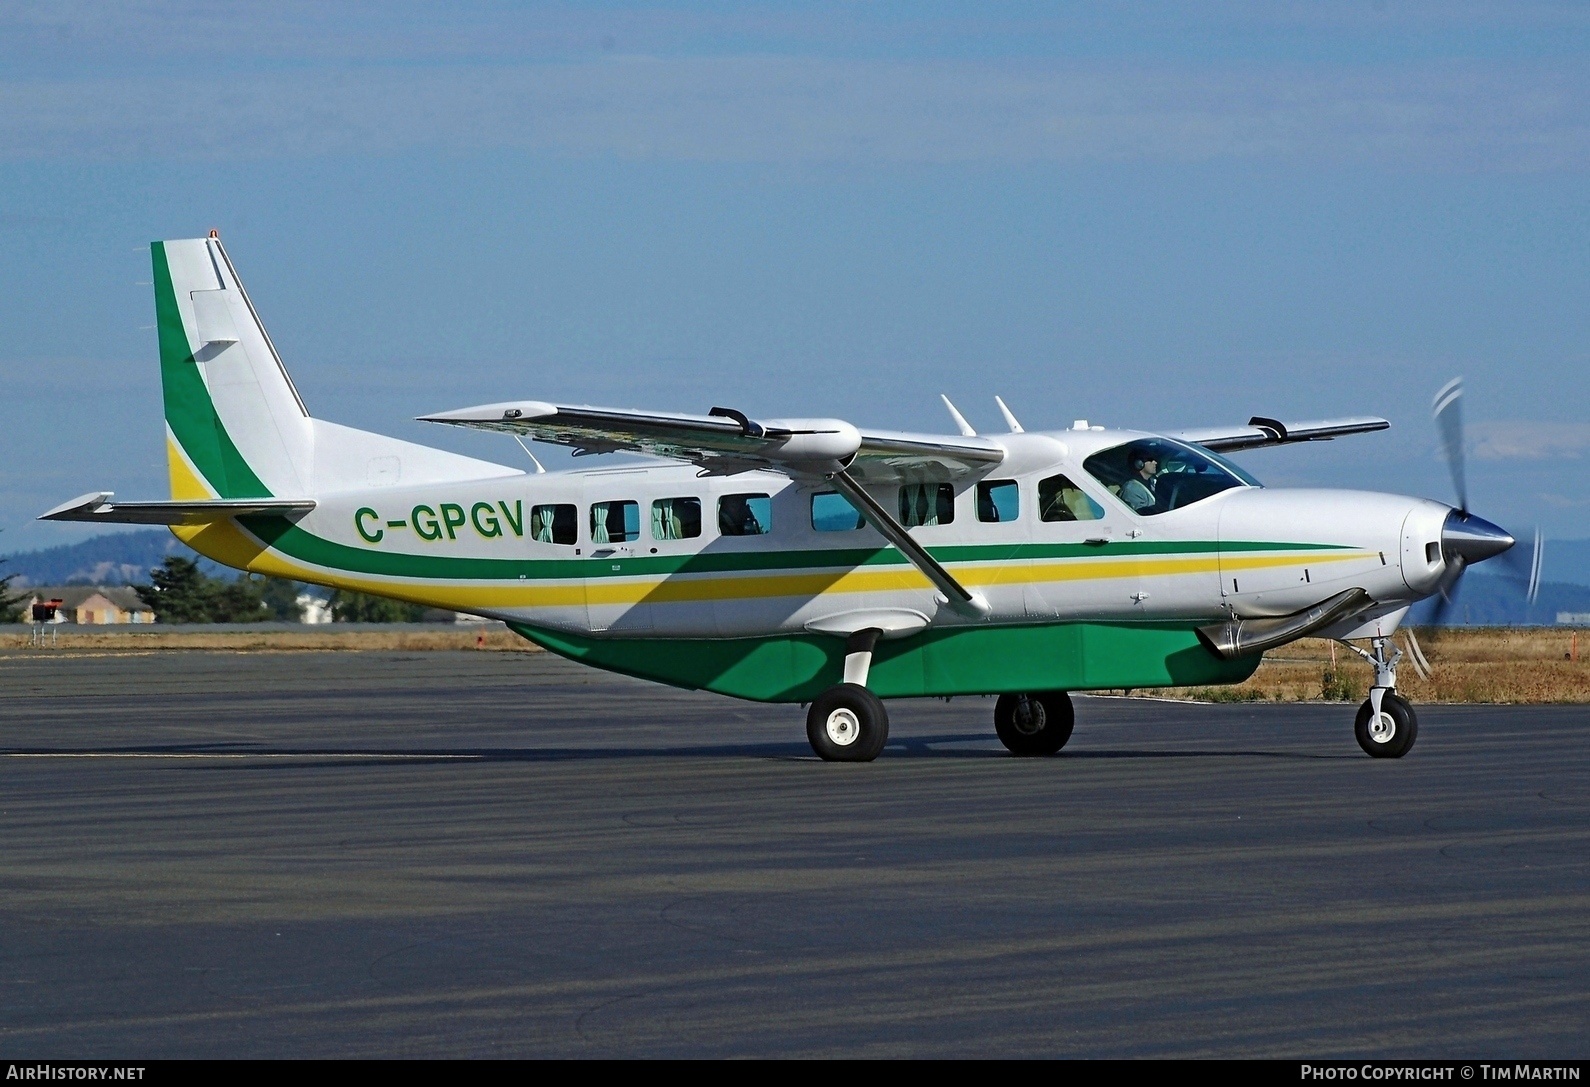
(1144, 461)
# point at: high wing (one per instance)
(1261, 432)
(726, 441)
(97, 507)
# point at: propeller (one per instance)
(1465, 538)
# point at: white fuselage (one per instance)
(1244, 552)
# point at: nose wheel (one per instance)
(1386, 726)
(1391, 732)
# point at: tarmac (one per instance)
(210, 854)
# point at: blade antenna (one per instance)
(1010, 420)
(1447, 409)
(960, 420)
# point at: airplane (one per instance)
(807, 560)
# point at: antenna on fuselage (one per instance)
(540, 471)
(1010, 420)
(960, 420)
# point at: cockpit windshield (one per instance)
(1157, 475)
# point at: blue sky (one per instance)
(1155, 216)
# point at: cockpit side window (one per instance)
(1157, 475)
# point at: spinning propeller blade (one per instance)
(1521, 566)
(1448, 412)
(1465, 538)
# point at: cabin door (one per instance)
(613, 529)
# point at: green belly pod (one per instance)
(955, 661)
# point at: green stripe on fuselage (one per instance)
(305, 546)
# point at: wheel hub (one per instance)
(1029, 717)
(843, 727)
(1382, 728)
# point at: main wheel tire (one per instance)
(1393, 734)
(1034, 724)
(847, 723)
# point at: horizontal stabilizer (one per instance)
(1261, 432)
(97, 507)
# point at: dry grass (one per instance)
(1487, 665)
(1524, 666)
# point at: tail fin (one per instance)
(235, 425)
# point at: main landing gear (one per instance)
(1386, 726)
(1034, 724)
(848, 723)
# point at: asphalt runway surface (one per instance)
(490, 854)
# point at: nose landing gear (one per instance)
(1388, 732)
(1386, 726)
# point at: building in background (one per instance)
(91, 605)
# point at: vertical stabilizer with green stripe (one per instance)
(236, 427)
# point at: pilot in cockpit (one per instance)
(1138, 490)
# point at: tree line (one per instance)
(179, 592)
(10, 602)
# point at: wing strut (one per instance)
(959, 597)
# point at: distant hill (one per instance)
(1567, 560)
(122, 558)
(1486, 600)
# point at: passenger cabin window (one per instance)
(1157, 475)
(927, 504)
(998, 500)
(554, 524)
(832, 512)
(615, 522)
(745, 515)
(1061, 500)
(676, 518)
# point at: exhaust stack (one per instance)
(1243, 637)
